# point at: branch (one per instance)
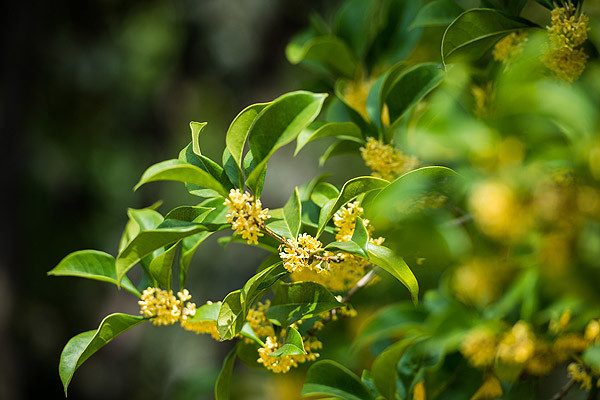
(563, 392)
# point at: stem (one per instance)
(563, 392)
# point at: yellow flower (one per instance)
(257, 318)
(164, 307)
(479, 347)
(592, 331)
(510, 47)
(579, 374)
(567, 31)
(518, 345)
(386, 161)
(477, 282)
(209, 327)
(483, 95)
(298, 256)
(490, 389)
(285, 363)
(569, 344)
(246, 215)
(558, 326)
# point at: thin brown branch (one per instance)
(563, 392)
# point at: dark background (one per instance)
(92, 93)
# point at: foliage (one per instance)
(517, 220)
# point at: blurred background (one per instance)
(92, 93)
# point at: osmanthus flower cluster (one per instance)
(246, 215)
(521, 350)
(567, 32)
(386, 161)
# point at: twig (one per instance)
(563, 392)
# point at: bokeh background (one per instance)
(92, 93)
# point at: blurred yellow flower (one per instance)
(479, 347)
(509, 47)
(518, 345)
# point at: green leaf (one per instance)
(197, 128)
(92, 264)
(224, 380)
(148, 241)
(177, 170)
(188, 155)
(278, 124)
(295, 301)
(393, 202)
(82, 346)
(233, 169)
(410, 88)
(231, 316)
(356, 24)
(546, 3)
(387, 260)
(323, 192)
(328, 378)
(239, 129)
(348, 247)
(591, 357)
(437, 13)
(513, 7)
(189, 213)
(293, 345)
(188, 248)
(360, 236)
(206, 312)
(319, 129)
(292, 214)
(390, 321)
(473, 32)
(350, 190)
(249, 333)
(340, 147)
(161, 267)
(385, 368)
(234, 309)
(329, 51)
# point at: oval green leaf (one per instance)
(82, 346)
(329, 51)
(473, 32)
(437, 13)
(328, 378)
(390, 262)
(319, 129)
(239, 129)
(180, 171)
(92, 264)
(222, 387)
(295, 301)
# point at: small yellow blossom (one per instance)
(345, 221)
(558, 326)
(299, 255)
(285, 363)
(578, 373)
(518, 345)
(477, 282)
(490, 389)
(496, 210)
(257, 318)
(483, 96)
(246, 215)
(207, 326)
(419, 391)
(567, 31)
(510, 47)
(355, 95)
(164, 307)
(386, 161)
(479, 347)
(569, 344)
(592, 331)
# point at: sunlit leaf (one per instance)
(82, 346)
(92, 264)
(390, 262)
(318, 129)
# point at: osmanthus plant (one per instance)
(508, 246)
(312, 280)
